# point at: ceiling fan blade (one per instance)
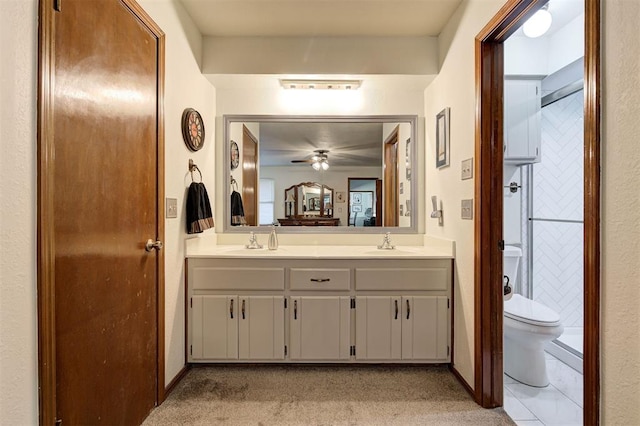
(302, 161)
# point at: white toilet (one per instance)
(528, 325)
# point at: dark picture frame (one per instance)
(442, 138)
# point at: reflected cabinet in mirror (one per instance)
(326, 174)
(308, 204)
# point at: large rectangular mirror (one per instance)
(321, 174)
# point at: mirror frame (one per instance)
(417, 171)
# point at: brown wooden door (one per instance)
(249, 176)
(106, 162)
(390, 196)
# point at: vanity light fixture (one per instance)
(539, 23)
(321, 84)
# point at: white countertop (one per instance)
(316, 252)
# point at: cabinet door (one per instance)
(261, 328)
(425, 328)
(378, 327)
(320, 327)
(214, 327)
(522, 131)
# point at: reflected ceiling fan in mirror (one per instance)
(319, 160)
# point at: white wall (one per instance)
(18, 339)
(184, 87)
(620, 294)
(454, 87)
(320, 55)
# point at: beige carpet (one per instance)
(322, 395)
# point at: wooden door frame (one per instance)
(390, 144)
(489, 70)
(246, 133)
(45, 202)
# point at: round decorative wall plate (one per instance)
(235, 155)
(192, 129)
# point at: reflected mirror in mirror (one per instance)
(291, 168)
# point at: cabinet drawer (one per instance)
(236, 278)
(394, 279)
(320, 279)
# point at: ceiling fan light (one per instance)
(324, 165)
(538, 24)
(316, 166)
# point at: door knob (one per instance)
(153, 245)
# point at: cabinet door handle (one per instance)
(320, 280)
(408, 309)
(396, 308)
(243, 302)
(231, 308)
(295, 309)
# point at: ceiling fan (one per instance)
(318, 161)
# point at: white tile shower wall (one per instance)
(558, 194)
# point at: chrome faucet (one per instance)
(253, 242)
(386, 242)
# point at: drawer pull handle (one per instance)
(231, 308)
(320, 280)
(295, 309)
(243, 302)
(408, 309)
(396, 308)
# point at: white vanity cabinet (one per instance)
(320, 328)
(233, 327)
(409, 328)
(319, 310)
(414, 322)
(522, 121)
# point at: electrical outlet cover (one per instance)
(467, 169)
(466, 209)
(171, 208)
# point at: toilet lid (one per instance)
(528, 311)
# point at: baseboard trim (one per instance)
(462, 381)
(176, 380)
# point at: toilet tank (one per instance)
(510, 258)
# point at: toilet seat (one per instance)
(528, 311)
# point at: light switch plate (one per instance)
(467, 169)
(171, 208)
(466, 209)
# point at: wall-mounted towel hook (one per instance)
(437, 212)
(192, 167)
(234, 184)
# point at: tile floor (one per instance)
(559, 404)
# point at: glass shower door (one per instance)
(556, 218)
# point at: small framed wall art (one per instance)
(442, 138)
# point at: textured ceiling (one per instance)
(328, 18)
(349, 144)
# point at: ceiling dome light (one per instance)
(538, 24)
